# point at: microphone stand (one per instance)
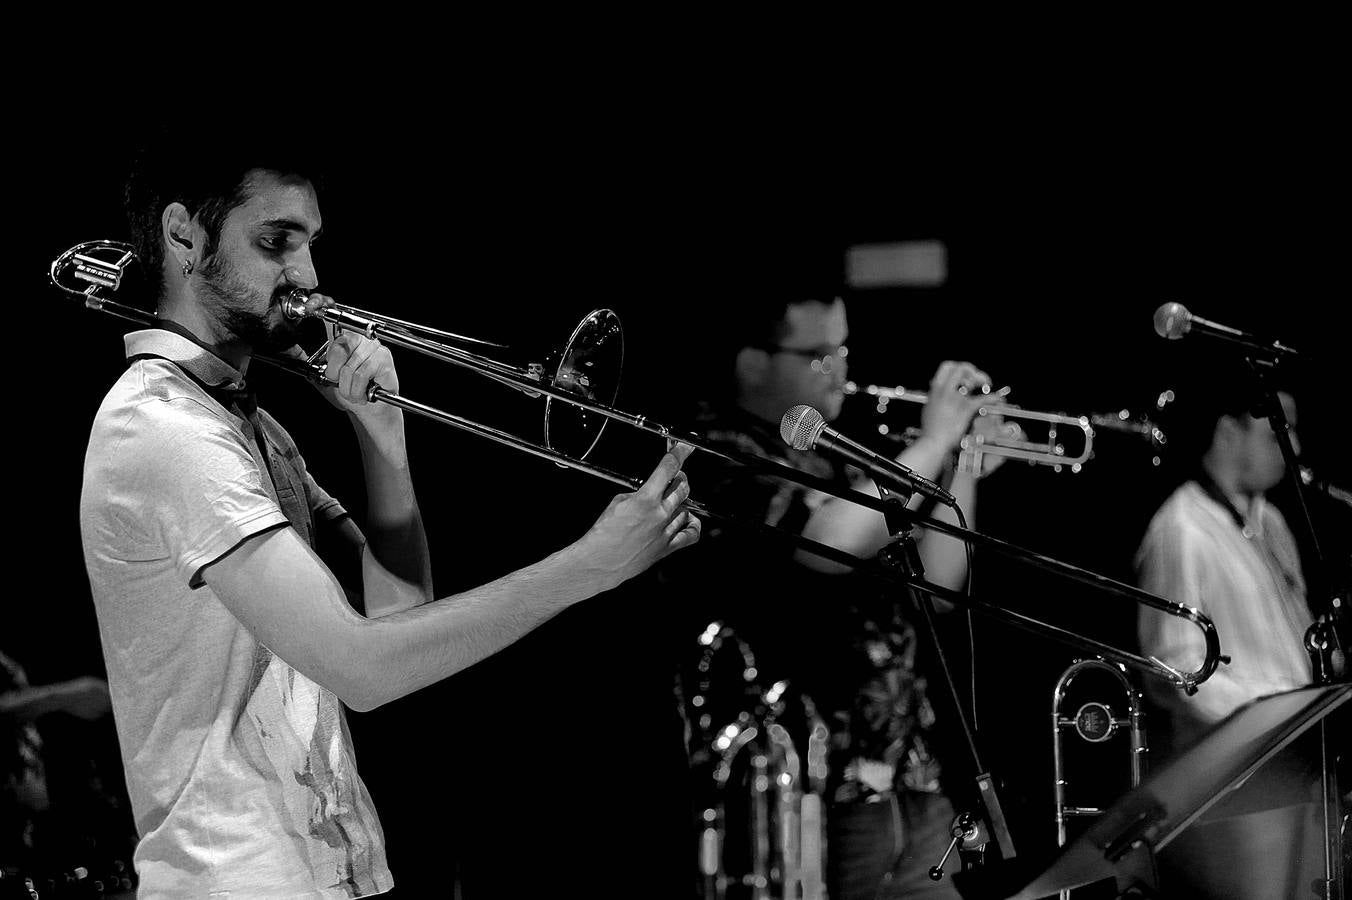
(1323, 639)
(901, 556)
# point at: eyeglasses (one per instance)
(822, 360)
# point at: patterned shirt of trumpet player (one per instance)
(837, 638)
(240, 769)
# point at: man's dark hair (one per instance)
(752, 302)
(759, 299)
(208, 179)
(1212, 388)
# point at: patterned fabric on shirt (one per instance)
(838, 638)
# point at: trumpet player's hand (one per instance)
(955, 395)
(989, 428)
(638, 529)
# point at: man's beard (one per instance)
(236, 309)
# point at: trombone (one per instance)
(1094, 722)
(93, 269)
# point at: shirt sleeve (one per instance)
(1172, 563)
(197, 484)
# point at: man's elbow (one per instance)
(360, 694)
(346, 672)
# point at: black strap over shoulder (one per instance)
(223, 395)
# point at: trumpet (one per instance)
(1048, 452)
(585, 379)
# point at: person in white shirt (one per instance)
(1217, 544)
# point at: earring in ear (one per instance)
(187, 268)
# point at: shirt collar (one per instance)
(181, 347)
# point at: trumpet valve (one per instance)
(970, 454)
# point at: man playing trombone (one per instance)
(230, 645)
(842, 642)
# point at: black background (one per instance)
(1068, 219)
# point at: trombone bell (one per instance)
(589, 367)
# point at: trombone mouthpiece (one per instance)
(293, 304)
(801, 426)
(1172, 321)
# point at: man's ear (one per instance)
(182, 235)
(1228, 429)
(751, 366)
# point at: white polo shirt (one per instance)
(240, 770)
(1248, 581)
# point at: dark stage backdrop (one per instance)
(559, 761)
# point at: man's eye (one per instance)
(273, 242)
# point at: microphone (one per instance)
(1310, 479)
(1173, 321)
(804, 428)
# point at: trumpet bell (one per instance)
(589, 367)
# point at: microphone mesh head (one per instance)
(1172, 321)
(801, 426)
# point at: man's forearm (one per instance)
(858, 529)
(301, 614)
(945, 557)
(394, 528)
(403, 652)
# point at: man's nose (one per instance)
(301, 272)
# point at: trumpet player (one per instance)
(231, 646)
(839, 640)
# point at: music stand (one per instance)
(1171, 799)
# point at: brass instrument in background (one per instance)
(1095, 723)
(763, 829)
(1050, 451)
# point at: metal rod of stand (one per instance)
(1322, 639)
(903, 556)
